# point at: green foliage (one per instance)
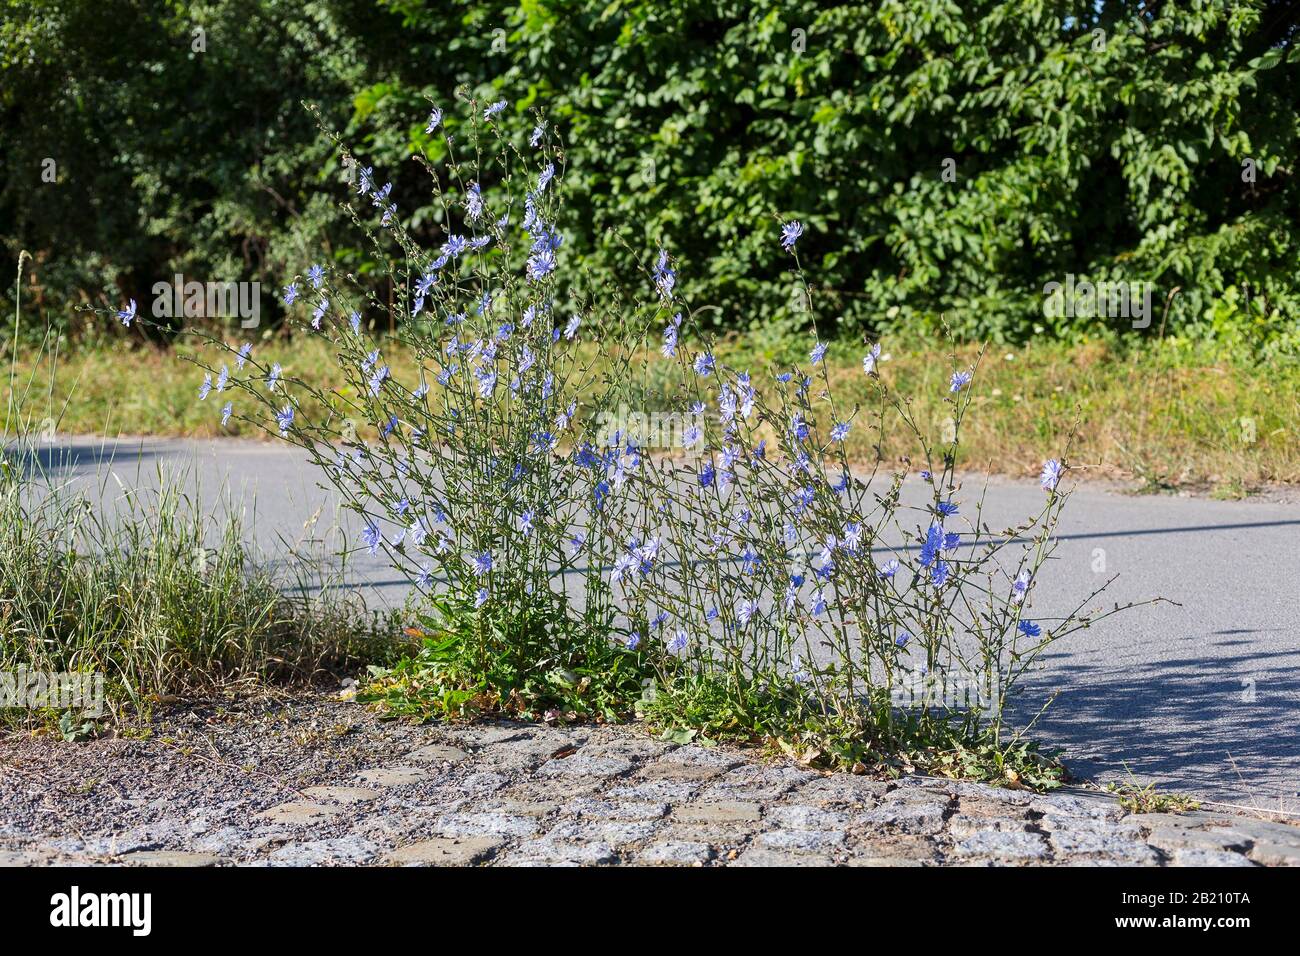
(539, 664)
(775, 711)
(74, 731)
(171, 159)
(1136, 798)
(1121, 162)
(1103, 140)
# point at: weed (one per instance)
(742, 580)
(536, 665)
(1136, 798)
(156, 595)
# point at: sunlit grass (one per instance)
(1166, 415)
(161, 597)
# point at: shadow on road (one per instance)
(52, 459)
(1212, 731)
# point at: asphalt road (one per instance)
(1202, 698)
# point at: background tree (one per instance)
(1112, 140)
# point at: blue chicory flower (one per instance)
(870, 359)
(1051, 475)
(790, 233)
(372, 537)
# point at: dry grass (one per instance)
(1166, 415)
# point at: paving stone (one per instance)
(1201, 856)
(1275, 854)
(1085, 804)
(1016, 798)
(961, 827)
(1123, 848)
(525, 807)
(1192, 818)
(169, 858)
(1265, 831)
(800, 841)
(437, 754)
(1171, 838)
(801, 817)
(678, 772)
(149, 836)
(232, 841)
(486, 735)
(395, 827)
(443, 851)
(720, 835)
(340, 794)
(927, 818)
(526, 755)
(676, 853)
(677, 767)
(702, 757)
(632, 748)
(551, 853)
(975, 808)
(844, 788)
(756, 783)
(601, 795)
(760, 856)
(299, 813)
(555, 790)
(1004, 845)
(725, 811)
(903, 846)
(1092, 862)
(570, 738)
(1126, 825)
(94, 847)
(479, 784)
(920, 790)
(585, 765)
(604, 831)
(616, 809)
(656, 791)
(485, 824)
(396, 776)
(30, 857)
(857, 860)
(347, 850)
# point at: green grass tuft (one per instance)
(774, 712)
(161, 598)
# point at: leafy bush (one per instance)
(1102, 140)
(567, 550)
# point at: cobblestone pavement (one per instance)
(316, 781)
